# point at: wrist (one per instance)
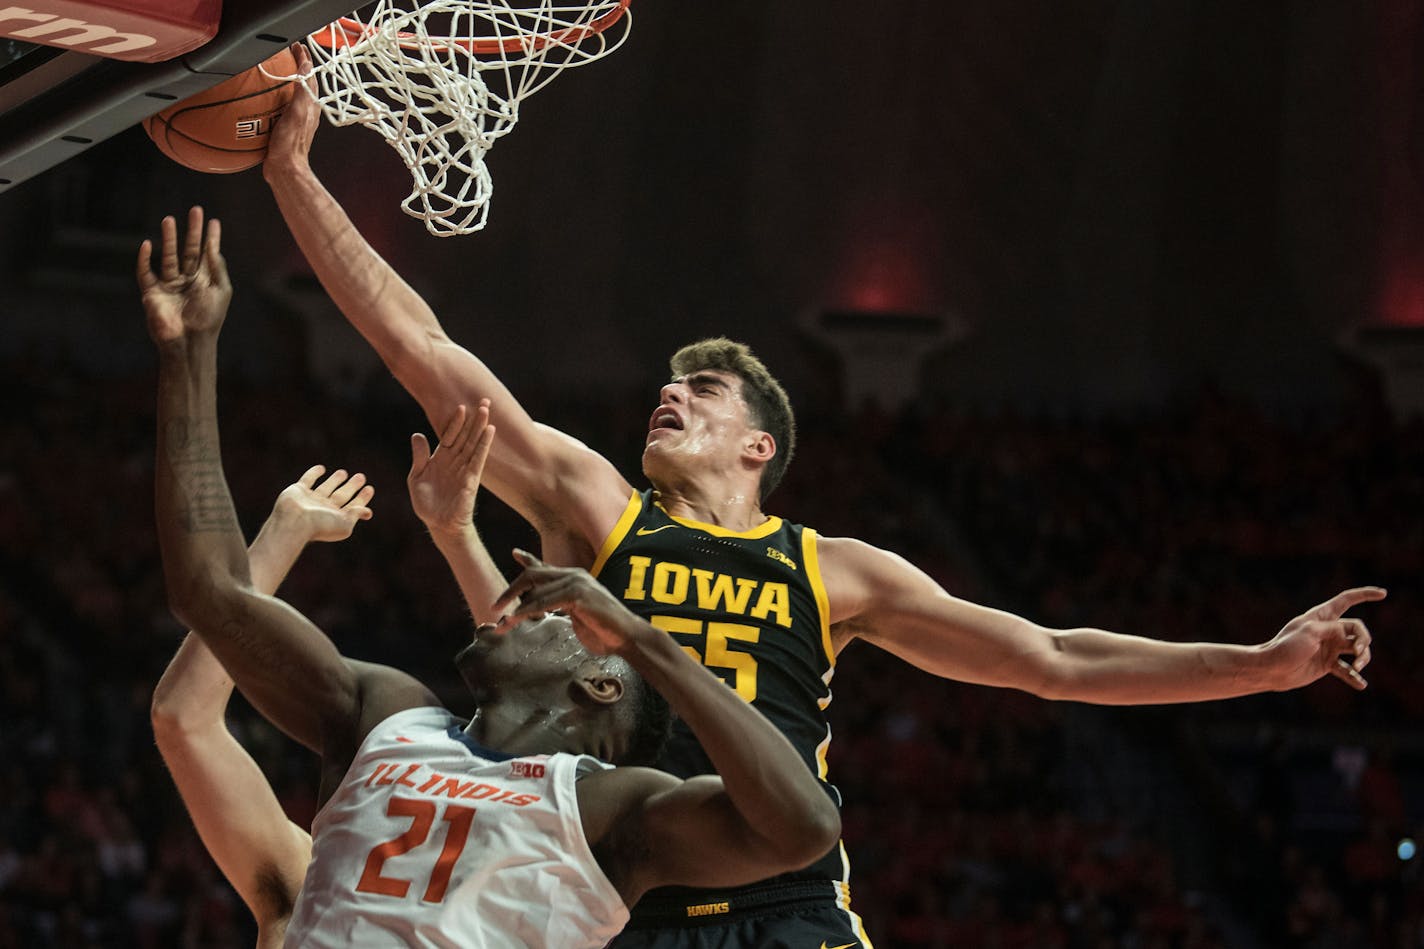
(443, 533)
(187, 347)
(281, 169)
(285, 526)
(1256, 669)
(645, 645)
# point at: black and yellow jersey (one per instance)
(750, 606)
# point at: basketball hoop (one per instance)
(442, 82)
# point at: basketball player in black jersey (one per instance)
(767, 605)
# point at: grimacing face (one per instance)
(702, 419)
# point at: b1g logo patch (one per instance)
(526, 769)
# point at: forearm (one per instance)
(474, 569)
(193, 693)
(1114, 669)
(767, 782)
(378, 303)
(404, 331)
(991, 647)
(289, 670)
(197, 526)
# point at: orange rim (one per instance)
(348, 32)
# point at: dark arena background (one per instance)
(1106, 313)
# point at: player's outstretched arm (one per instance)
(761, 814)
(554, 481)
(443, 487)
(261, 853)
(279, 660)
(881, 598)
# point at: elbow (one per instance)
(814, 833)
(1046, 671)
(167, 722)
(196, 600)
(172, 722)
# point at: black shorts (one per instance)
(772, 916)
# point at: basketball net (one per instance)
(441, 83)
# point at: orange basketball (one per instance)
(225, 128)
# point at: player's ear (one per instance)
(594, 685)
(760, 446)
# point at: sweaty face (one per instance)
(536, 652)
(701, 422)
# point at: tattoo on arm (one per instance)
(193, 452)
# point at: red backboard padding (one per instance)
(143, 31)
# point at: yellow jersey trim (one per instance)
(857, 925)
(823, 603)
(620, 531)
(766, 528)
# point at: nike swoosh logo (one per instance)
(644, 532)
(846, 946)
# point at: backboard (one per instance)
(57, 102)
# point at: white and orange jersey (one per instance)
(432, 840)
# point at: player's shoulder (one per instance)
(857, 574)
(852, 557)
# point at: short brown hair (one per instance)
(769, 407)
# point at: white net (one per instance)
(442, 82)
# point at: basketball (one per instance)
(224, 129)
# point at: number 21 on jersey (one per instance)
(457, 819)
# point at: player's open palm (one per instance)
(1324, 640)
(189, 290)
(325, 510)
(443, 485)
(603, 624)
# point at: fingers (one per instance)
(560, 593)
(1358, 637)
(168, 256)
(465, 441)
(193, 240)
(347, 490)
(308, 478)
(454, 431)
(360, 505)
(1336, 606)
(419, 455)
(330, 484)
(481, 452)
(1346, 673)
(144, 269)
(511, 594)
(535, 572)
(212, 253)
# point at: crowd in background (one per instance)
(974, 817)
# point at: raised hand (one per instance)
(291, 138)
(327, 511)
(601, 621)
(1323, 640)
(190, 292)
(443, 485)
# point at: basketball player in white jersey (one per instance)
(263, 854)
(235, 811)
(502, 832)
